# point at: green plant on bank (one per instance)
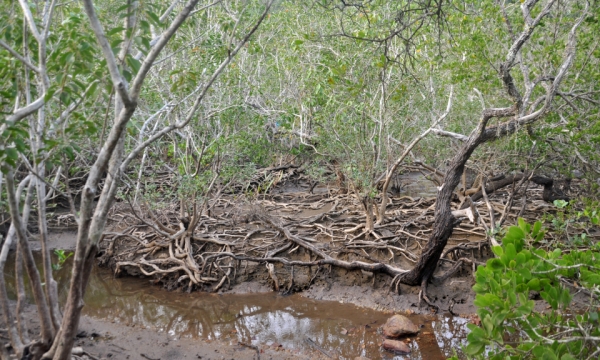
(589, 214)
(62, 258)
(511, 327)
(571, 225)
(561, 219)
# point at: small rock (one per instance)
(396, 346)
(78, 351)
(361, 358)
(399, 325)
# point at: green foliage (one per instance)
(511, 324)
(62, 256)
(569, 226)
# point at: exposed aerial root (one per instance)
(206, 247)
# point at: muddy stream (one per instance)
(344, 331)
(299, 324)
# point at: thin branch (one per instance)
(440, 132)
(26, 111)
(136, 85)
(111, 62)
(19, 57)
(206, 6)
(30, 21)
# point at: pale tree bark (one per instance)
(47, 330)
(18, 335)
(9, 318)
(444, 221)
(21, 298)
(36, 143)
(19, 283)
(39, 166)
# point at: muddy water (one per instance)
(414, 184)
(343, 331)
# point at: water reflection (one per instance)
(415, 185)
(342, 330)
(256, 318)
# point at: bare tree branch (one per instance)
(111, 62)
(19, 57)
(26, 111)
(445, 133)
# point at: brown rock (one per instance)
(396, 346)
(399, 325)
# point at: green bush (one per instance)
(512, 325)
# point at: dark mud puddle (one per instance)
(293, 323)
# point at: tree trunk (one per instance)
(47, 329)
(444, 221)
(9, 318)
(21, 298)
(51, 285)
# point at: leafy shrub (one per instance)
(512, 327)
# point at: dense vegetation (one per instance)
(100, 100)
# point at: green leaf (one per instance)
(487, 324)
(590, 277)
(511, 252)
(496, 264)
(521, 258)
(512, 297)
(555, 254)
(122, 7)
(498, 250)
(523, 225)
(536, 228)
(565, 298)
(514, 232)
(11, 154)
(154, 18)
(114, 31)
(482, 301)
(561, 204)
(534, 284)
(525, 273)
(134, 64)
(474, 348)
